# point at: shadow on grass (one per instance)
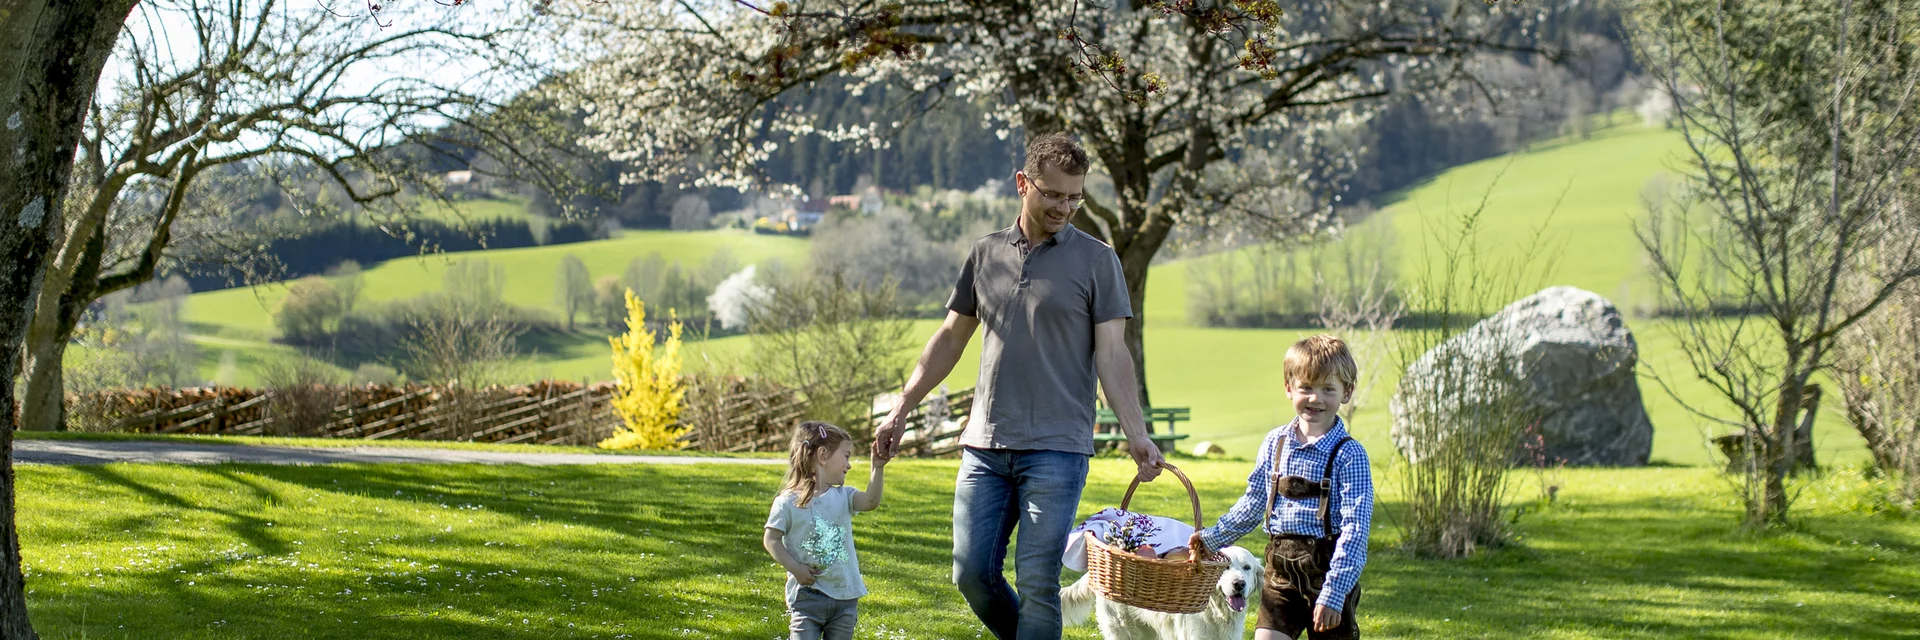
(248, 527)
(706, 521)
(1651, 568)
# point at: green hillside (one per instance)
(530, 273)
(1590, 188)
(1230, 377)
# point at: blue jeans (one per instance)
(997, 490)
(818, 616)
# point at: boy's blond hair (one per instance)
(1313, 359)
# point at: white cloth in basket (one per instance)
(1172, 535)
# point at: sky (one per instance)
(165, 31)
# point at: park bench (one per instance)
(1107, 426)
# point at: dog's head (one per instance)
(1240, 583)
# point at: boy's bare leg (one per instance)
(1269, 634)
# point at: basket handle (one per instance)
(1191, 494)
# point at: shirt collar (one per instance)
(1338, 432)
(1017, 238)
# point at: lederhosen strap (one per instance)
(1326, 491)
(1326, 484)
(1279, 467)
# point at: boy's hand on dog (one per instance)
(1325, 618)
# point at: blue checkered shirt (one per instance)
(1351, 511)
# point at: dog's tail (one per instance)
(1076, 602)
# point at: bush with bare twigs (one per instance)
(833, 339)
(1460, 414)
(302, 394)
(1879, 376)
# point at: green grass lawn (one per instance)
(424, 551)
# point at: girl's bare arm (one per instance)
(774, 543)
(877, 483)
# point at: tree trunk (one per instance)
(1780, 446)
(1137, 331)
(71, 284)
(1802, 451)
(44, 407)
(1879, 439)
(48, 73)
(1775, 513)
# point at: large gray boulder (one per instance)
(1562, 356)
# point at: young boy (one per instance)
(1311, 491)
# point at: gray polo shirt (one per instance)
(1036, 387)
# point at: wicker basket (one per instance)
(1170, 586)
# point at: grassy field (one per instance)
(240, 322)
(246, 313)
(397, 551)
(1228, 376)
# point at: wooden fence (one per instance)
(538, 414)
(933, 429)
(740, 418)
(739, 415)
(728, 415)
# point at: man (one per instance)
(1055, 307)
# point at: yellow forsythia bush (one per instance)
(648, 393)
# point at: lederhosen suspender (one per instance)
(1326, 486)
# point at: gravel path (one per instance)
(104, 451)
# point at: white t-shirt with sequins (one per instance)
(821, 534)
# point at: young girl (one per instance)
(810, 532)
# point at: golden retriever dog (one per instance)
(1225, 617)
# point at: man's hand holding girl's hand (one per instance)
(886, 439)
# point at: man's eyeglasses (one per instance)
(1054, 198)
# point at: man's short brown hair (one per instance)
(1314, 359)
(1059, 151)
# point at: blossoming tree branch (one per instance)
(1213, 117)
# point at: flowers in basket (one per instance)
(1130, 534)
